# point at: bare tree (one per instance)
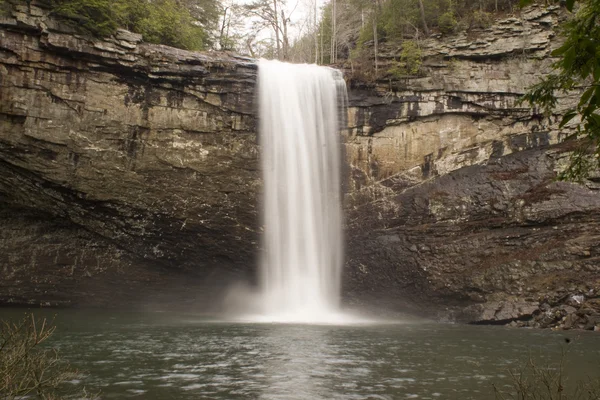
(423, 19)
(275, 24)
(316, 29)
(273, 15)
(232, 35)
(333, 30)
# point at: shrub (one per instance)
(409, 63)
(4, 8)
(447, 22)
(481, 19)
(27, 368)
(411, 57)
(535, 382)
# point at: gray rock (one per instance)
(571, 321)
(123, 163)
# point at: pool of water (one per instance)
(181, 356)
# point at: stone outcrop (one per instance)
(129, 173)
(453, 196)
(119, 158)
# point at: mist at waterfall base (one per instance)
(300, 108)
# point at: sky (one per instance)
(301, 10)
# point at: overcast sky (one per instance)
(302, 9)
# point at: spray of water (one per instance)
(300, 112)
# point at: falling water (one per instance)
(299, 127)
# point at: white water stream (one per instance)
(299, 134)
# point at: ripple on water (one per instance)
(185, 377)
(272, 361)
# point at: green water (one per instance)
(180, 356)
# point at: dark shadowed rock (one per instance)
(453, 197)
(120, 158)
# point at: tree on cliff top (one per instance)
(185, 24)
(577, 69)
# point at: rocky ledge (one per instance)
(122, 164)
(453, 195)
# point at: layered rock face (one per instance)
(453, 196)
(129, 171)
(119, 159)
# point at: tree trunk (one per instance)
(276, 22)
(332, 55)
(316, 27)
(322, 47)
(221, 38)
(375, 44)
(250, 49)
(422, 9)
(285, 41)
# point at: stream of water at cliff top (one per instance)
(299, 134)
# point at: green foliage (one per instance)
(324, 34)
(411, 57)
(410, 61)
(402, 18)
(100, 17)
(170, 22)
(4, 8)
(366, 34)
(447, 22)
(399, 18)
(396, 21)
(481, 19)
(577, 70)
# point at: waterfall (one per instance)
(300, 111)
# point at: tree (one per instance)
(230, 36)
(349, 19)
(272, 15)
(577, 70)
(4, 8)
(376, 37)
(423, 19)
(186, 24)
(167, 22)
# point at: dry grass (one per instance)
(28, 369)
(535, 382)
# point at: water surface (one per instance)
(181, 356)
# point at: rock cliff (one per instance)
(129, 172)
(119, 159)
(453, 196)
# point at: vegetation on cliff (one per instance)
(185, 24)
(356, 27)
(577, 70)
